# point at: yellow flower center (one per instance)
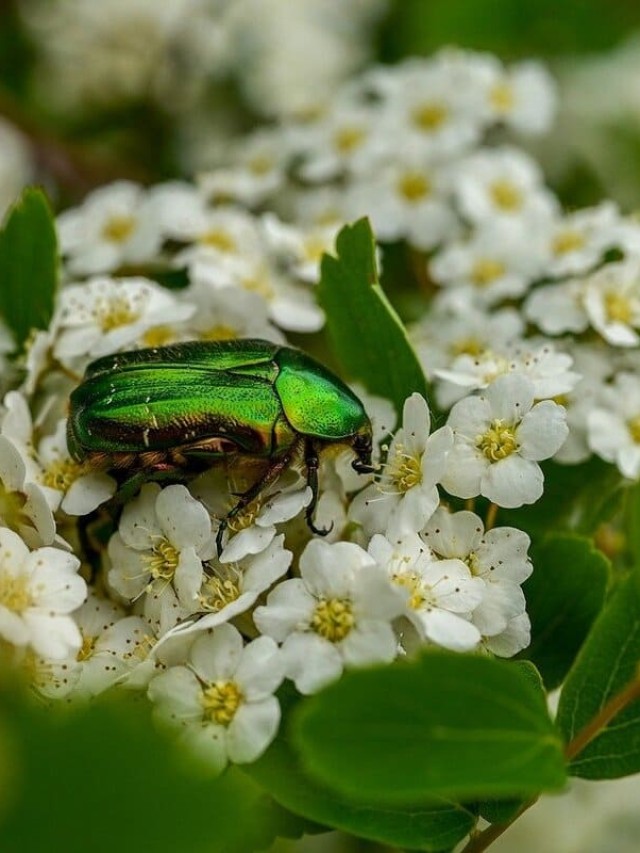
(473, 564)
(634, 428)
(220, 702)
(158, 336)
(314, 248)
(219, 332)
(259, 284)
(506, 195)
(486, 270)
(14, 592)
(467, 346)
(217, 593)
(118, 229)
(245, 518)
(61, 474)
(141, 648)
(498, 442)
(115, 312)
(429, 116)
(260, 165)
(567, 241)
(617, 307)
(333, 619)
(414, 186)
(418, 592)
(501, 97)
(347, 139)
(216, 238)
(404, 471)
(163, 560)
(87, 647)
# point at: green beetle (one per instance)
(173, 410)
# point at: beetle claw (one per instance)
(319, 531)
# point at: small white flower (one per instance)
(406, 199)
(223, 696)
(439, 595)
(614, 425)
(221, 316)
(300, 249)
(105, 315)
(337, 613)
(229, 589)
(23, 505)
(163, 537)
(499, 557)
(499, 438)
(503, 184)
(38, 591)
(558, 308)
(578, 240)
(406, 495)
(253, 529)
(523, 97)
(498, 262)
(113, 227)
(612, 302)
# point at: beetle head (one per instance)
(362, 445)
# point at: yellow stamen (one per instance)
(220, 702)
(216, 238)
(501, 97)
(634, 428)
(617, 307)
(567, 241)
(506, 195)
(163, 560)
(414, 186)
(14, 592)
(333, 619)
(347, 139)
(118, 229)
(486, 270)
(61, 474)
(429, 117)
(498, 442)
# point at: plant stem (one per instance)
(492, 514)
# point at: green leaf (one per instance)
(365, 331)
(607, 663)
(446, 725)
(564, 595)
(419, 827)
(103, 779)
(28, 265)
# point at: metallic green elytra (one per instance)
(169, 411)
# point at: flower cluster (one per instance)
(530, 334)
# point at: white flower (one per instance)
(229, 589)
(578, 240)
(23, 505)
(253, 529)
(612, 301)
(432, 106)
(439, 595)
(523, 96)
(499, 438)
(113, 227)
(558, 308)
(105, 315)
(16, 166)
(162, 539)
(223, 696)
(499, 261)
(614, 424)
(542, 365)
(223, 315)
(300, 249)
(38, 591)
(406, 495)
(503, 184)
(337, 613)
(499, 557)
(406, 199)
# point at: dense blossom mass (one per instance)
(529, 332)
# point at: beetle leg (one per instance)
(270, 476)
(312, 462)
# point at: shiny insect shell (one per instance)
(166, 412)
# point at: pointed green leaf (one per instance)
(365, 331)
(447, 725)
(564, 595)
(607, 663)
(28, 265)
